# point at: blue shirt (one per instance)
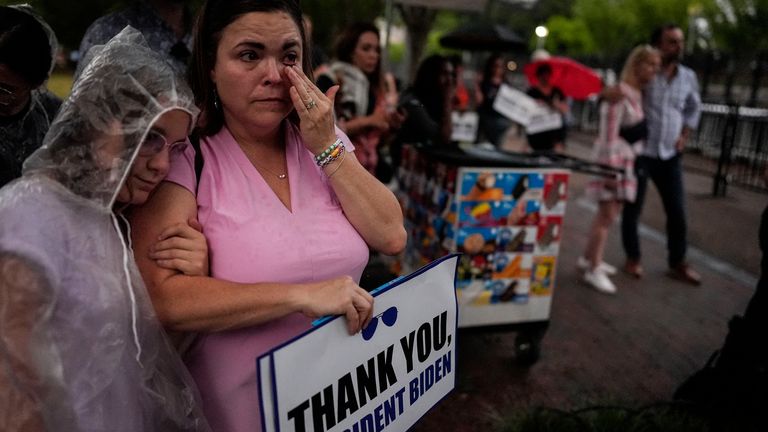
(669, 105)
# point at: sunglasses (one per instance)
(155, 143)
(389, 317)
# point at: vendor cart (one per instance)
(505, 213)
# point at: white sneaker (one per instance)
(606, 268)
(599, 281)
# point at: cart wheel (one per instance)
(527, 348)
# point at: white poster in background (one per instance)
(515, 105)
(544, 120)
(464, 127)
(382, 379)
(523, 109)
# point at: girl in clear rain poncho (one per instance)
(80, 346)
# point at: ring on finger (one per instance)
(311, 104)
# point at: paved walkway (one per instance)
(630, 349)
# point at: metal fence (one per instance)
(731, 143)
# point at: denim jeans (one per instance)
(667, 175)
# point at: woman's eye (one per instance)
(152, 144)
(248, 56)
(291, 58)
(178, 146)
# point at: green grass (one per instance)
(60, 83)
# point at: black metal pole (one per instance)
(720, 181)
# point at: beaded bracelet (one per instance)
(335, 154)
(338, 165)
(324, 155)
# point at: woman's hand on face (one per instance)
(315, 110)
(338, 296)
(182, 247)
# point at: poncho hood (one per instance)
(98, 131)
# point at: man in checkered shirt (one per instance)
(672, 110)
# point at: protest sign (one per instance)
(544, 120)
(384, 378)
(464, 126)
(515, 105)
(523, 109)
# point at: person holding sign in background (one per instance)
(288, 213)
(620, 137)
(551, 96)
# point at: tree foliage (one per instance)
(738, 24)
(569, 36)
(608, 29)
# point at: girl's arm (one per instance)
(202, 303)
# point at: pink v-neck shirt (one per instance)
(253, 237)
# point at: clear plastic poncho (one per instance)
(23, 133)
(80, 346)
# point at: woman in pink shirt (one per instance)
(288, 214)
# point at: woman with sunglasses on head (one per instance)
(80, 346)
(27, 50)
(288, 213)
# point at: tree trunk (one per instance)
(418, 21)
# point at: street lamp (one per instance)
(541, 33)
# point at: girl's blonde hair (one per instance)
(639, 54)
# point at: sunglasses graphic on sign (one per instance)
(389, 317)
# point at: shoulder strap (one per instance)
(199, 162)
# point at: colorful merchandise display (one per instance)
(506, 221)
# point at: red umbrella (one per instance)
(573, 78)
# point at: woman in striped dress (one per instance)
(619, 139)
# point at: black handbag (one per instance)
(635, 132)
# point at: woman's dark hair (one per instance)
(543, 69)
(488, 69)
(346, 43)
(213, 17)
(426, 86)
(24, 46)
